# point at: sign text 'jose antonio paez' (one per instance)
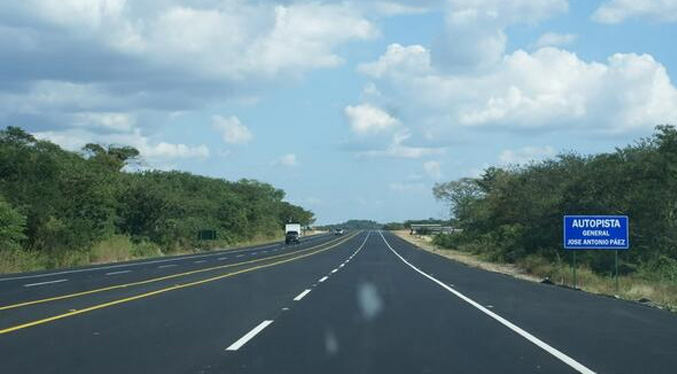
(596, 232)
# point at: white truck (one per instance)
(292, 233)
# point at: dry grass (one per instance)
(20, 261)
(425, 242)
(113, 249)
(535, 269)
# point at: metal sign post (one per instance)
(573, 267)
(616, 269)
(596, 232)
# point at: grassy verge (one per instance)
(114, 249)
(662, 294)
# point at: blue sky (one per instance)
(355, 108)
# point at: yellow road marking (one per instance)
(163, 290)
(153, 280)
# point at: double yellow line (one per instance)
(306, 253)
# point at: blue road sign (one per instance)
(596, 232)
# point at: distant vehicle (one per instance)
(339, 231)
(292, 233)
(291, 237)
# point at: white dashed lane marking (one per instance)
(249, 336)
(44, 283)
(301, 295)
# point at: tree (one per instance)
(460, 195)
(113, 157)
(12, 226)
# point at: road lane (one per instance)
(15, 291)
(357, 308)
(8, 280)
(76, 303)
(376, 315)
(170, 333)
(607, 334)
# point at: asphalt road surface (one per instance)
(364, 302)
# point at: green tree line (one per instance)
(352, 225)
(56, 204)
(509, 214)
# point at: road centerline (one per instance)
(249, 336)
(302, 295)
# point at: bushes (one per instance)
(515, 214)
(12, 226)
(67, 208)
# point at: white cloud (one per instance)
(365, 119)
(525, 155)
(164, 56)
(433, 169)
(616, 11)
(305, 33)
(552, 39)
(106, 120)
(475, 29)
(75, 139)
(410, 60)
(89, 13)
(238, 39)
(547, 88)
(231, 129)
(398, 149)
(171, 151)
(288, 160)
(404, 187)
(219, 39)
(391, 8)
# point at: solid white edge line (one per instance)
(249, 336)
(323, 279)
(302, 295)
(536, 341)
(119, 272)
(43, 283)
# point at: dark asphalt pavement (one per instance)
(368, 303)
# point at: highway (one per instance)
(365, 302)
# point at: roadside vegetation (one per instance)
(61, 208)
(352, 225)
(514, 215)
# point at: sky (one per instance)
(354, 108)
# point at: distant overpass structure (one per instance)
(431, 228)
